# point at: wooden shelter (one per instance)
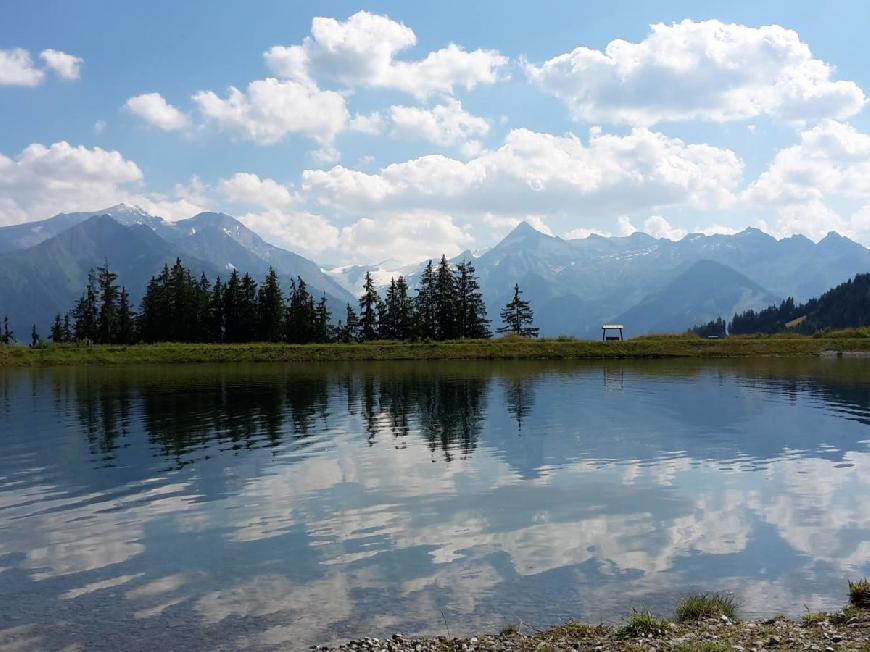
(612, 333)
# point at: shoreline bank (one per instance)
(845, 630)
(495, 349)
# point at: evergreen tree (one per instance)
(387, 328)
(155, 311)
(85, 312)
(396, 315)
(270, 306)
(8, 336)
(67, 329)
(233, 308)
(425, 323)
(350, 331)
(402, 311)
(445, 302)
(35, 340)
(216, 312)
(126, 320)
(517, 317)
(107, 319)
(321, 322)
(470, 308)
(368, 307)
(203, 330)
(57, 330)
(301, 327)
(182, 304)
(248, 309)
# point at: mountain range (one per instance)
(649, 284)
(44, 265)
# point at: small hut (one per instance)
(612, 333)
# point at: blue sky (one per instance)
(371, 137)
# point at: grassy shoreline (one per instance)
(700, 623)
(495, 349)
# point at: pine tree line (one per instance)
(845, 306)
(178, 307)
(103, 314)
(448, 305)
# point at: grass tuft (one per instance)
(859, 593)
(643, 624)
(845, 615)
(813, 619)
(705, 605)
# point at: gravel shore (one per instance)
(845, 630)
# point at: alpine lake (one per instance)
(275, 506)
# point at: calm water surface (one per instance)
(260, 507)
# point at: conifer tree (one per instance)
(368, 308)
(270, 306)
(126, 320)
(322, 318)
(425, 325)
(7, 336)
(445, 301)
(248, 309)
(387, 313)
(57, 330)
(156, 310)
(203, 330)
(403, 311)
(216, 312)
(233, 308)
(300, 314)
(107, 320)
(350, 331)
(35, 340)
(518, 317)
(470, 308)
(184, 304)
(85, 312)
(67, 329)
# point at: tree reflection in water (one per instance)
(189, 413)
(189, 416)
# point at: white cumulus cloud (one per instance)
(444, 124)
(831, 158)
(362, 50)
(811, 183)
(156, 111)
(272, 109)
(17, 69)
(536, 173)
(705, 70)
(659, 227)
(297, 230)
(371, 124)
(66, 66)
(404, 238)
(42, 181)
(247, 188)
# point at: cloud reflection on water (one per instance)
(310, 504)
